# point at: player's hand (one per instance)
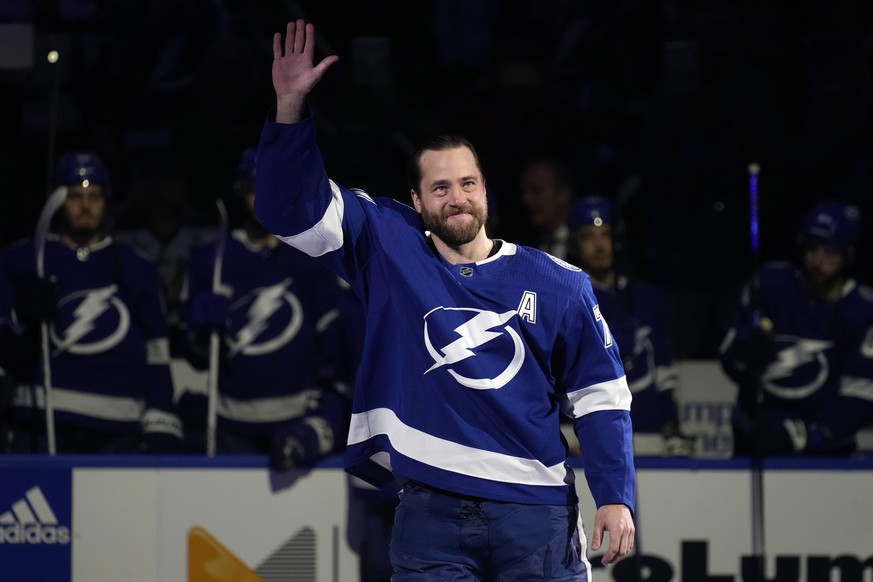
(161, 432)
(615, 519)
(294, 74)
(676, 443)
(785, 436)
(299, 444)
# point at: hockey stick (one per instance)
(758, 545)
(214, 337)
(52, 57)
(54, 202)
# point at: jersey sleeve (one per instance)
(598, 399)
(295, 199)
(591, 375)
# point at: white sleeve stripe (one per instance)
(327, 234)
(610, 395)
(451, 456)
(857, 387)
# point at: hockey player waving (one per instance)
(474, 347)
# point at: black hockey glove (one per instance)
(676, 443)
(36, 299)
(301, 443)
(209, 311)
(787, 436)
(193, 409)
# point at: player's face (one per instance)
(595, 248)
(451, 196)
(823, 266)
(84, 208)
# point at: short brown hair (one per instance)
(437, 143)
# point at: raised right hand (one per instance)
(294, 75)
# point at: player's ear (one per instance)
(416, 201)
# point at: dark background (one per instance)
(660, 105)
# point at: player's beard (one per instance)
(821, 283)
(82, 232)
(455, 234)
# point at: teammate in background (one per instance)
(547, 194)
(473, 348)
(639, 322)
(108, 352)
(812, 354)
(277, 312)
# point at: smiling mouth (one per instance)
(458, 212)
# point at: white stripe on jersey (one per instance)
(267, 409)
(114, 408)
(327, 234)
(454, 457)
(611, 395)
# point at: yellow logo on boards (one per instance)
(209, 561)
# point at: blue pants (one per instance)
(447, 537)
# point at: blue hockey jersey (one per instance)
(820, 366)
(109, 354)
(466, 367)
(638, 319)
(280, 341)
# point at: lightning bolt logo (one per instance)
(473, 333)
(94, 303)
(790, 359)
(263, 304)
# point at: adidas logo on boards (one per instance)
(32, 521)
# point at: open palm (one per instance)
(294, 74)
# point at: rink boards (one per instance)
(151, 519)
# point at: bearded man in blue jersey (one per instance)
(804, 370)
(105, 362)
(473, 349)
